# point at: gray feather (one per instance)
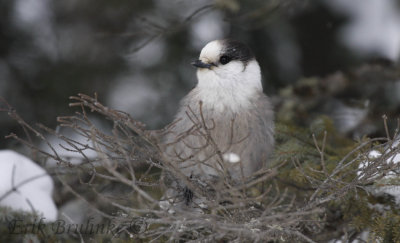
(247, 133)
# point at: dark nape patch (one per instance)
(236, 50)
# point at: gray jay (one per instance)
(225, 125)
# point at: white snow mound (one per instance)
(33, 186)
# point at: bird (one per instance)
(224, 127)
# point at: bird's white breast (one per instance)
(229, 87)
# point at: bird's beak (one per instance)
(201, 64)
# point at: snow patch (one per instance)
(32, 186)
(231, 158)
(374, 26)
(393, 159)
(68, 152)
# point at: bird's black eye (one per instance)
(224, 60)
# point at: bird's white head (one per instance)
(227, 70)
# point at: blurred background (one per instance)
(329, 57)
